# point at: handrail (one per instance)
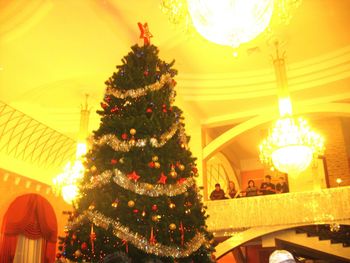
(309, 207)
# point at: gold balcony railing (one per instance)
(299, 208)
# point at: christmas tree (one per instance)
(139, 201)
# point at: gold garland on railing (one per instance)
(140, 188)
(138, 92)
(124, 233)
(125, 146)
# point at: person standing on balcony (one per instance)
(231, 190)
(282, 186)
(267, 188)
(251, 189)
(217, 193)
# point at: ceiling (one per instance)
(52, 53)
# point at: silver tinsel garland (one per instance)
(98, 180)
(140, 188)
(125, 146)
(138, 92)
(139, 241)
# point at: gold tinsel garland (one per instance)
(138, 92)
(139, 241)
(125, 146)
(140, 188)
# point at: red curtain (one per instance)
(32, 216)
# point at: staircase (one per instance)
(302, 243)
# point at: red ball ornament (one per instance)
(104, 105)
(74, 236)
(115, 109)
(124, 136)
(154, 207)
(145, 73)
(149, 110)
(136, 211)
(151, 164)
(114, 161)
(84, 246)
(164, 110)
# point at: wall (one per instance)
(256, 175)
(336, 153)
(13, 185)
(228, 258)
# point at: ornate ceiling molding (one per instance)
(319, 71)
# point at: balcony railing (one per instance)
(299, 208)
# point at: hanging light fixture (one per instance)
(67, 182)
(229, 22)
(291, 144)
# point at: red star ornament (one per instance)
(181, 180)
(133, 176)
(145, 34)
(162, 179)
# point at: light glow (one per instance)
(67, 182)
(285, 106)
(230, 22)
(291, 146)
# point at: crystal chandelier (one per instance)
(229, 22)
(66, 183)
(291, 144)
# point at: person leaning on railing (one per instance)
(251, 190)
(282, 186)
(217, 193)
(267, 188)
(231, 190)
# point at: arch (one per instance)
(33, 216)
(220, 159)
(343, 109)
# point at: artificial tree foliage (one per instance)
(139, 201)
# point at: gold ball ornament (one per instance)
(155, 158)
(156, 218)
(121, 160)
(148, 186)
(93, 168)
(172, 226)
(92, 206)
(132, 131)
(172, 205)
(77, 253)
(157, 165)
(173, 174)
(181, 167)
(131, 203)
